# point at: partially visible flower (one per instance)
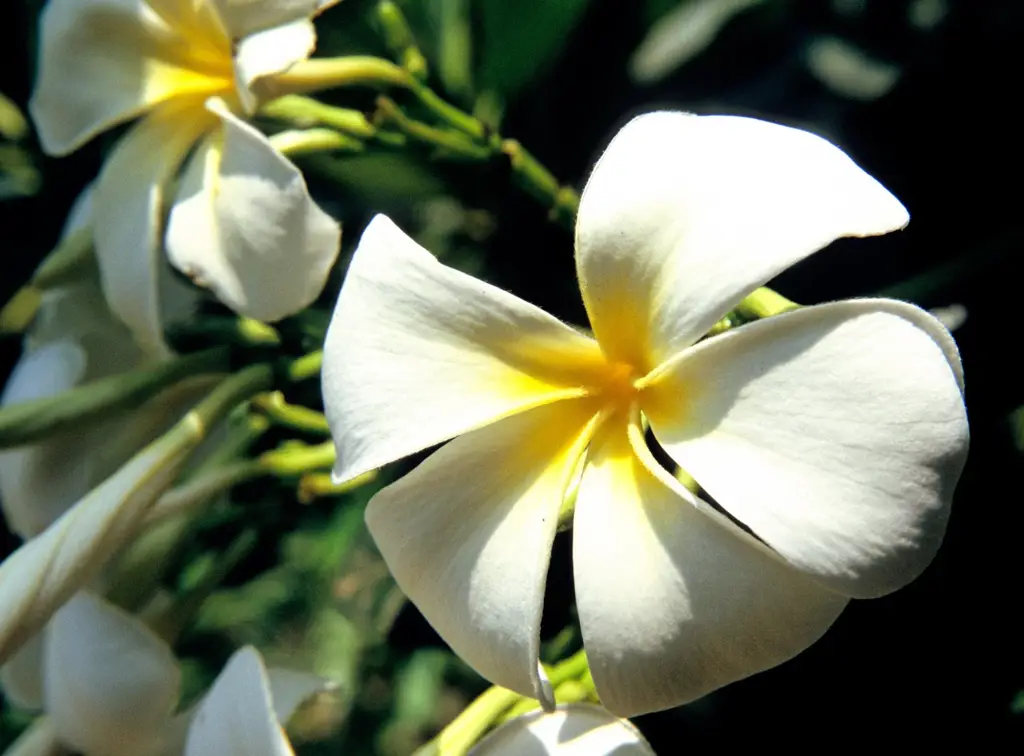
(572, 730)
(832, 436)
(242, 222)
(112, 689)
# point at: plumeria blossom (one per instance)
(830, 437)
(241, 221)
(112, 687)
(74, 339)
(570, 730)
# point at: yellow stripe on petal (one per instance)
(105, 61)
(468, 535)
(672, 602)
(418, 353)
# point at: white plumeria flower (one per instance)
(112, 687)
(242, 222)
(834, 433)
(570, 730)
(73, 339)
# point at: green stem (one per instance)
(28, 421)
(317, 74)
(296, 142)
(170, 621)
(399, 38)
(296, 459)
(495, 704)
(224, 330)
(293, 416)
(764, 303)
(306, 367)
(306, 112)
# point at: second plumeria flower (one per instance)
(834, 435)
(242, 222)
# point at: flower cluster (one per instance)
(241, 221)
(734, 469)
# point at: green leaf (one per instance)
(521, 40)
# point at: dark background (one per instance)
(942, 657)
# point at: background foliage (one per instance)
(921, 93)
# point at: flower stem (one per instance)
(496, 704)
(28, 421)
(298, 458)
(764, 303)
(293, 416)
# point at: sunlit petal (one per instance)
(128, 215)
(111, 684)
(269, 52)
(468, 535)
(105, 61)
(573, 730)
(236, 718)
(418, 353)
(684, 215)
(246, 17)
(674, 603)
(244, 225)
(836, 433)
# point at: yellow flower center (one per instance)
(618, 385)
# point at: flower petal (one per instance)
(290, 688)
(102, 62)
(244, 225)
(706, 606)
(268, 52)
(418, 353)
(572, 730)
(111, 684)
(245, 17)
(35, 487)
(837, 433)
(467, 535)
(38, 577)
(128, 215)
(237, 716)
(684, 215)
(22, 676)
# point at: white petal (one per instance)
(22, 676)
(237, 716)
(36, 484)
(270, 52)
(244, 225)
(837, 433)
(44, 572)
(673, 603)
(289, 689)
(245, 17)
(574, 730)
(418, 353)
(684, 215)
(128, 214)
(105, 61)
(467, 536)
(111, 684)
